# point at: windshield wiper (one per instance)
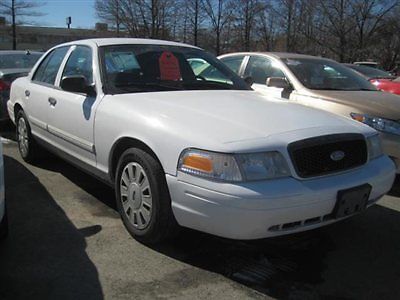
(209, 84)
(147, 84)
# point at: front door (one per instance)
(260, 68)
(72, 115)
(40, 89)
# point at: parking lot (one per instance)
(67, 242)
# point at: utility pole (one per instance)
(196, 21)
(117, 16)
(68, 20)
(14, 29)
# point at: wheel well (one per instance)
(120, 146)
(17, 108)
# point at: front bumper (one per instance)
(391, 147)
(269, 208)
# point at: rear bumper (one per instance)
(269, 208)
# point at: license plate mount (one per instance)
(351, 201)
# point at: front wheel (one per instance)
(143, 198)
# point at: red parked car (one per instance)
(381, 79)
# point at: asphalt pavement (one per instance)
(67, 242)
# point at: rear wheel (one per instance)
(27, 146)
(143, 198)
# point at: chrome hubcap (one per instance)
(23, 141)
(136, 195)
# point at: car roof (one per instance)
(278, 55)
(125, 41)
(366, 62)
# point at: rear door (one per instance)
(71, 118)
(40, 90)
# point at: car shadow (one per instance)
(44, 256)
(354, 259)
(7, 129)
(357, 258)
(395, 191)
(96, 188)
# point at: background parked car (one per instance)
(13, 64)
(325, 84)
(371, 64)
(381, 79)
(3, 211)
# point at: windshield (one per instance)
(148, 68)
(322, 74)
(371, 72)
(18, 61)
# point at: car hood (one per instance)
(231, 116)
(375, 103)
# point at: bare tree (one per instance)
(246, 13)
(368, 17)
(16, 9)
(109, 11)
(220, 13)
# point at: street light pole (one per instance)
(14, 30)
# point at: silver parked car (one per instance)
(325, 84)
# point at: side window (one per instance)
(233, 63)
(48, 69)
(204, 71)
(80, 63)
(261, 68)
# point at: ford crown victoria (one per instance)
(199, 151)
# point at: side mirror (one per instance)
(249, 80)
(77, 84)
(278, 82)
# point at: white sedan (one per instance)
(3, 213)
(200, 151)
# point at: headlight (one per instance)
(377, 123)
(374, 147)
(230, 167)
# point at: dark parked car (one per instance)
(13, 64)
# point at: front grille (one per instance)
(313, 157)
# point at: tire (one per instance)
(27, 146)
(4, 226)
(143, 198)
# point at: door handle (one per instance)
(27, 93)
(52, 101)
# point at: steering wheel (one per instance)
(201, 77)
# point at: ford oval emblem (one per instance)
(337, 155)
